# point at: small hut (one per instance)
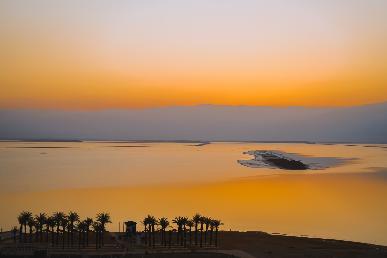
(130, 228)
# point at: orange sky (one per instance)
(144, 54)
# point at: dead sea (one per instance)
(166, 179)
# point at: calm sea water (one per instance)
(131, 180)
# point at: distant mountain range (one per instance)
(202, 123)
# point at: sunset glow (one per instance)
(130, 54)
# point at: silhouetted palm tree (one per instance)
(145, 222)
(150, 221)
(207, 222)
(72, 217)
(64, 223)
(103, 219)
(211, 230)
(184, 221)
(20, 219)
(196, 221)
(97, 229)
(31, 224)
(202, 219)
(41, 220)
(68, 224)
(23, 219)
(152, 224)
(88, 222)
(50, 224)
(164, 223)
(81, 228)
(58, 216)
(190, 224)
(177, 221)
(216, 224)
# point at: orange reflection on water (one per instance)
(342, 206)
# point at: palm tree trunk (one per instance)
(72, 235)
(63, 238)
(30, 237)
(25, 233)
(196, 234)
(68, 237)
(201, 236)
(57, 235)
(216, 237)
(20, 233)
(190, 236)
(96, 239)
(37, 234)
(153, 235)
(162, 237)
(170, 238)
(79, 239)
(146, 235)
(211, 232)
(149, 235)
(47, 233)
(87, 237)
(184, 236)
(178, 236)
(52, 236)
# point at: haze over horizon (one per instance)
(366, 124)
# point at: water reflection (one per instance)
(165, 179)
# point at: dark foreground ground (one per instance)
(260, 244)
(231, 244)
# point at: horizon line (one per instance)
(188, 106)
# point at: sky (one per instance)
(91, 55)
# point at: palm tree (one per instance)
(190, 224)
(20, 219)
(150, 221)
(81, 228)
(164, 223)
(23, 219)
(73, 217)
(184, 221)
(41, 220)
(68, 227)
(152, 224)
(64, 223)
(196, 221)
(88, 222)
(216, 224)
(103, 219)
(145, 222)
(96, 227)
(211, 230)
(207, 222)
(202, 219)
(58, 216)
(31, 224)
(50, 224)
(177, 221)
